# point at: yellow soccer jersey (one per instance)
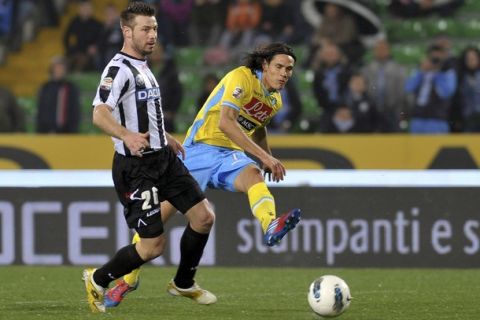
(242, 90)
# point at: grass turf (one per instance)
(247, 293)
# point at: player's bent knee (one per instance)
(201, 217)
(208, 219)
(204, 221)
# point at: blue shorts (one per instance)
(215, 167)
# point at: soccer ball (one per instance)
(329, 296)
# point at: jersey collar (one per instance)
(132, 57)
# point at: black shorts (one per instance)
(142, 183)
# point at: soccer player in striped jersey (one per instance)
(146, 167)
(231, 122)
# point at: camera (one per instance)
(435, 55)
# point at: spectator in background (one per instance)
(174, 22)
(50, 12)
(20, 19)
(287, 117)
(208, 19)
(450, 61)
(24, 23)
(243, 17)
(421, 8)
(341, 120)
(12, 116)
(384, 79)
(110, 40)
(6, 27)
(468, 97)
(81, 39)
(338, 27)
(6, 17)
(433, 88)
(363, 108)
(58, 102)
(209, 82)
(164, 66)
(277, 22)
(331, 75)
(302, 30)
(449, 58)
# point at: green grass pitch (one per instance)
(247, 293)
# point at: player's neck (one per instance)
(265, 85)
(128, 50)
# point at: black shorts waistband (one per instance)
(146, 153)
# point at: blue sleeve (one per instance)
(446, 83)
(413, 81)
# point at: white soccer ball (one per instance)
(329, 296)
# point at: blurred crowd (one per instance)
(358, 87)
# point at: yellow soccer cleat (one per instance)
(94, 292)
(195, 293)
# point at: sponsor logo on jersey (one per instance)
(273, 101)
(247, 124)
(258, 110)
(106, 83)
(148, 94)
(139, 80)
(237, 93)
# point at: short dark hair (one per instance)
(255, 59)
(135, 8)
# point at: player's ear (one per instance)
(127, 32)
(264, 65)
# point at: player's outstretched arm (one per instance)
(260, 138)
(229, 125)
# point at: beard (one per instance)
(143, 49)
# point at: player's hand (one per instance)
(176, 146)
(136, 142)
(267, 174)
(276, 168)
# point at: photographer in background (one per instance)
(433, 86)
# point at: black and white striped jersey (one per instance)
(129, 87)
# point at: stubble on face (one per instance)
(144, 35)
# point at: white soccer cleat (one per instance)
(201, 296)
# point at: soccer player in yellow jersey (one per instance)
(232, 122)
